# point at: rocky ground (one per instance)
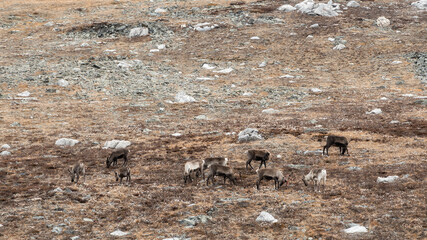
(205, 71)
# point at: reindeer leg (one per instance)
(260, 165)
(257, 183)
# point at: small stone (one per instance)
(354, 168)
(375, 111)
(208, 66)
(383, 22)
(396, 62)
(339, 47)
(38, 217)
(66, 142)
(226, 70)
(388, 179)
(353, 4)
(263, 64)
(138, 32)
(247, 94)
(24, 94)
(63, 83)
(5, 153)
(177, 134)
(182, 97)
(75, 238)
(57, 230)
(87, 220)
(119, 233)
(249, 134)
(161, 46)
(5, 146)
(394, 122)
(286, 8)
(58, 189)
(84, 45)
(266, 217)
(116, 144)
(201, 117)
(255, 38)
(421, 4)
(270, 111)
(160, 10)
(316, 90)
(356, 229)
(316, 25)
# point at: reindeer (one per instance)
(338, 141)
(207, 162)
(123, 172)
(271, 174)
(257, 155)
(76, 171)
(120, 153)
(317, 176)
(219, 170)
(191, 166)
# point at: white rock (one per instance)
(356, 229)
(5, 153)
(24, 94)
(1, 225)
(177, 134)
(116, 144)
(383, 22)
(388, 179)
(58, 189)
(396, 62)
(422, 4)
(266, 217)
(287, 76)
(316, 90)
(270, 111)
(227, 70)
(279, 156)
(154, 50)
(201, 117)
(384, 98)
(49, 24)
(306, 6)
(394, 122)
(161, 46)
(160, 10)
(249, 134)
(182, 97)
(5, 146)
(331, 39)
(263, 64)
(316, 25)
(310, 7)
(204, 79)
(138, 32)
(119, 233)
(353, 4)
(63, 83)
(339, 47)
(124, 64)
(66, 142)
(203, 27)
(255, 38)
(87, 220)
(247, 94)
(75, 238)
(208, 66)
(286, 8)
(375, 111)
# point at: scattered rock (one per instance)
(422, 4)
(421, 101)
(388, 179)
(208, 66)
(310, 7)
(67, 142)
(375, 111)
(316, 90)
(286, 8)
(270, 111)
(177, 134)
(87, 220)
(63, 83)
(182, 97)
(316, 25)
(263, 64)
(24, 94)
(38, 217)
(354, 168)
(247, 94)
(249, 134)
(119, 233)
(58, 189)
(339, 47)
(203, 27)
(356, 229)
(138, 32)
(160, 10)
(287, 76)
(255, 38)
(5, 146)
(5, 153)
(396, 62)
(201, 117)
(353, 4)
(394, 121)
(57, 230)
(194, 220)
(226, 70)
(266, 217)
(116, 144)
(383, 22)
(297, 166)
(75, 238)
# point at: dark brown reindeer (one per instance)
(123, 172)
(207, 162)
(337, 141)
(261, 155)
(222, 171)
(271, 174)
(114, 156)
(76, 171)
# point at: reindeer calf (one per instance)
(191, 166)
(207, 162)
(219, 170)
(316, 176)
(123, 172)
(120, 153)
(257, 155)
(271, 174)
(338, 141)
(76, 171)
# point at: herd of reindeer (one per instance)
(217, 166)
